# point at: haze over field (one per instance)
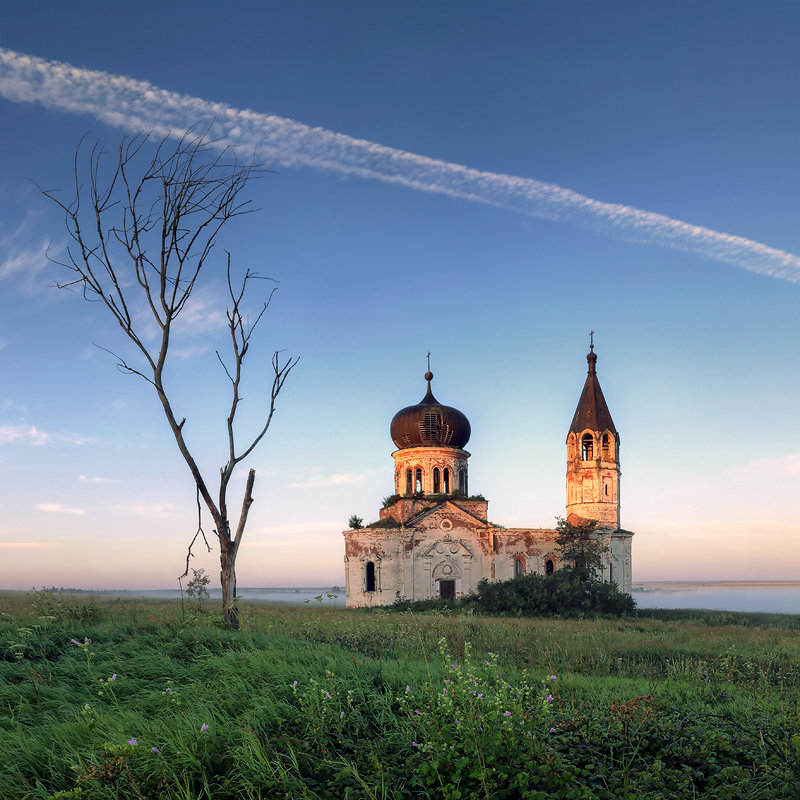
(485, 181)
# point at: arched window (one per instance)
(418, 481)
(606, 447)
(437, 481)
(549, 567)
(519, 568)
(587, 446)
(462, 482)
(370, 576)
(409, 482)
(606, 488)
(446, 480)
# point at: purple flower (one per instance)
(341, 713)
(132, 741)
(75, 641)
(204, 727)
(549, 698)
(508, 713)
(168, 690)
(453, 666)
(445, 691)
(553, 678)
(414, 744)
(480, 694)
(552, 730)
(113, 677)
(418, 713)
(155, 750)
(408, 688)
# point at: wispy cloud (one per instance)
(28, 434)
(134, 105)
(767, 469)
(86, 479)
(57, 508)
(26, 545)
(154, 510)
(321, 481)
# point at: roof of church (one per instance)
(429, 424)
(592, 411)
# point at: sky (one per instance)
(485, 181)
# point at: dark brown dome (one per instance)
(429, 424)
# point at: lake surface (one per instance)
(783, 598)
(778, 597)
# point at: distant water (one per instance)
(283, 596)
(782, 598)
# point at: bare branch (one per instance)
(142, 225)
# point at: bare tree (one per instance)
(142, 228)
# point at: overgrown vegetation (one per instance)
(566, 592)
(140, 702)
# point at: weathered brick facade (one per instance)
(433, 540)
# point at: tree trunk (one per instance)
(227, 563)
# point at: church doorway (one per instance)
(447, 590)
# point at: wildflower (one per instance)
(341, 713)
(155, 750)
(408, 688)
(294, 683)
(549, 698)
(552, 730)
(113, 677)
(414, 744)
(75, 641)
(445, 691)
(453, 666)
(553, 678)
(168, 690)
(418, 713)
(480, 694)
(508, 713)
(328, 695)
(204, 727)
(132, 741)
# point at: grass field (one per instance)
(106, 699)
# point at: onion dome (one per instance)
(429, 424)
(592, 412)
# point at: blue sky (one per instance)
(485, 181)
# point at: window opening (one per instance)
(446, 481)
(549, 567)
(370, 576)
(518, 568)
(462, 482)
(588, 447)
(409, 482)
(437, 481)
(418, 481)
(447, 590)
(606, 447)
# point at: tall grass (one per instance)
(325, 703)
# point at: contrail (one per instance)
(135, 105)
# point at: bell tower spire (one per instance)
(593, 471)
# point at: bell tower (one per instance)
(593, 455)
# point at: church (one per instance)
(433, 538)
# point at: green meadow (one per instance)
(121, 699)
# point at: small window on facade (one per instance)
(549, 567)
(462, 482)
(418, 480)
(587, 447)
(437, 481)
(370, 576)
(606, 447)
(605, 488)
(518, 568)
(409, 482)
(446, 481)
